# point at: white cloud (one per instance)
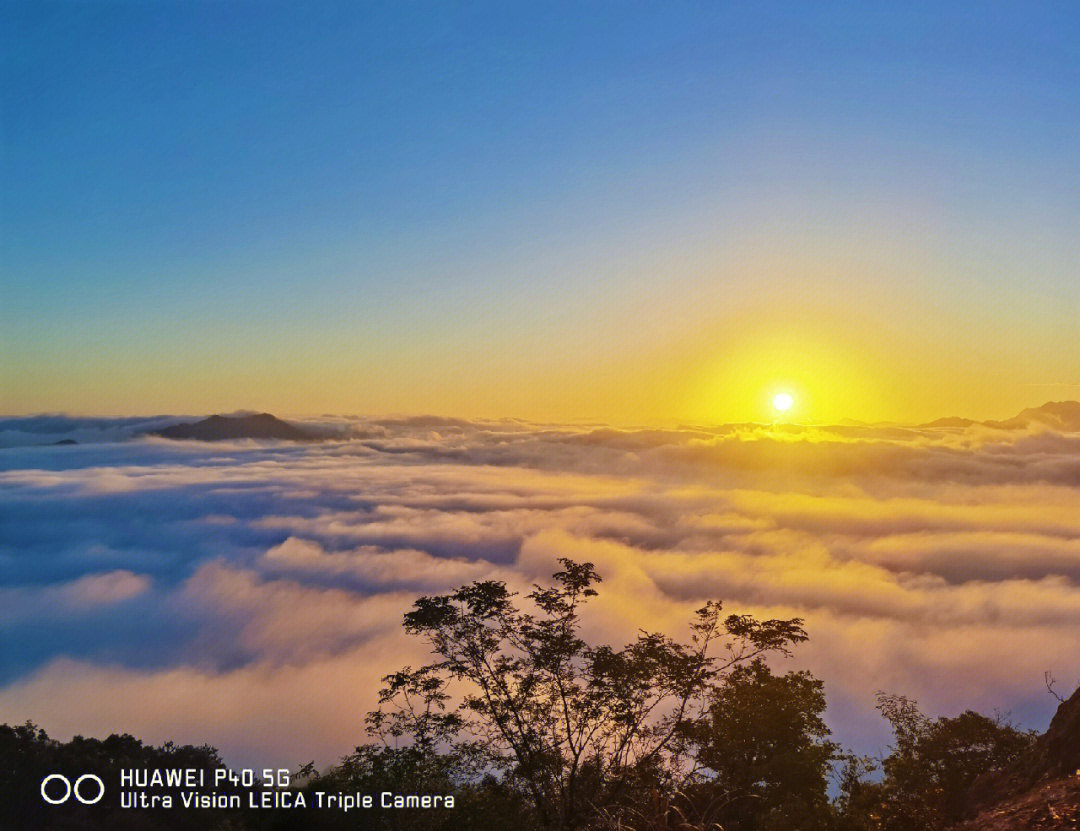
(940, 563)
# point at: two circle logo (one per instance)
(69, 789)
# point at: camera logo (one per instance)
(68, 789)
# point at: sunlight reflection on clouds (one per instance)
(943, 564)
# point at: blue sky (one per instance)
(626, 212)
(211, 192)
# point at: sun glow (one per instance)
(826, 379)
(783, 401)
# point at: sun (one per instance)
(783, 401)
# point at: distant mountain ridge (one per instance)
(222, 428)
(1057, 415)
(60, 430)
(1060, 415)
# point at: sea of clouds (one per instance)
(249, 594)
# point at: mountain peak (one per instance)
(223, 427)
(1057, 415)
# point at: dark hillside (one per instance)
(1042, 790)
(221, 428)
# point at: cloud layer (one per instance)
(250, 594)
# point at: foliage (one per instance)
(765, 751)
(28, 755)
(928, 775)
(532, 727)
(480, 803)
(857, 806)
(577, 727)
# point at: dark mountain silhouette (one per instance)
(950, 421)
(65, 441)
(1060, 415)
(1057, 415)
(1042, 789)
(220, 428)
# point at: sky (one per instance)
(623, 212)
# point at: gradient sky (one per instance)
(629, 212)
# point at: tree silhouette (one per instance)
(578, 728)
